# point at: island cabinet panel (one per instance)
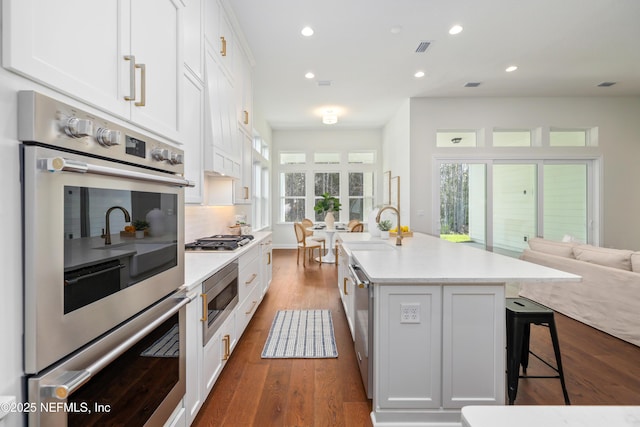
(408, 345)
(473, 365)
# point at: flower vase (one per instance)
(329, 221)
(384, 234)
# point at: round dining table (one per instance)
(330, 257)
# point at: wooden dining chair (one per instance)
(358, 228)
(352, 224)
(307, 247)
(307, 223)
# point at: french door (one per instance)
(500, 204)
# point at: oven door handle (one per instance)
(71, 381)
(58, 164)
(361, 280)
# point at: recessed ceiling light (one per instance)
(511, 68)
(307, 31)
(419, 74)
(606, 84)
(456, 29)
(472, 84)
(309, 75)
(396, 29)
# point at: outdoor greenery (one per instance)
(454, 199)
(456, 238)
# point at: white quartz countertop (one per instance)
(427, 259)
(199, 265)
(550, 416)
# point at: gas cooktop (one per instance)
(219, 242)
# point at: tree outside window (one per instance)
(360, 194)
(293, 191)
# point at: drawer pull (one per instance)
(253, 277)
(252, 307)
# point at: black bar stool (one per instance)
(521, 313)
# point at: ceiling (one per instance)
(561, 48)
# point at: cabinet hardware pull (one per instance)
(344, 285)
(223, 49)
(246, 117)
(132, 78)
(253, 277)
(252, 307)
(227, 347)
(246, 193)
(143, 85)
(204, 308)
(269, 262)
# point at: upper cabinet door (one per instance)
(156, 42)
(219, 35)
(75, 47)
(114, 55)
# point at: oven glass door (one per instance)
(142, 385)
(86, 271)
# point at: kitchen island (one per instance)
(438, 316)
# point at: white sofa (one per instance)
(607, 298)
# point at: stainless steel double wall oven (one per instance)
(104, 320)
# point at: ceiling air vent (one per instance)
(324, 82)
(423, 46)
(606, 84)
(472, 84)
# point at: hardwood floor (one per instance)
(599, 369)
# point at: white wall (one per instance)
(396, 156)
(310, 141)
(617, 120)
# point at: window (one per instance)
(293, 158)
(568, 138)
(512, 138)
(325, 182)
(363, 158)
(326, 158)
(261, 216)
(360, 194)
(456, 139)
(292, 196)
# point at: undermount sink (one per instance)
(146, 256)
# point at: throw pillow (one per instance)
(551, 247)
(616, 258)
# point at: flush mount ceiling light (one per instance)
(309, 75)
(456, 29)
(307, 31)
(419, 74)
(511, 68)
(329, 118)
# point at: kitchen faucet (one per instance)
(399, 228)
(107, 233)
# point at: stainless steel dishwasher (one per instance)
(363, 325)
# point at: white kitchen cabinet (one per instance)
(216, 353)
(408, 351)
(438, 348)
(346, 287)
(219, 35)
(243, 185)
(221, 149)
(266, 272)
(194, 37)
(81, 49)
(192, 135)
(194, 398)
(248, 273)
(244, 92)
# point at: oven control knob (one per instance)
(108, 137)
(77, 128)
(176, 159)
(160, 154)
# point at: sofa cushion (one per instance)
(616, 258)
(552, 247)
(635, 262)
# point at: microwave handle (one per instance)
(58, 164)
(71, 381)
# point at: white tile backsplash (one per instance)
(201, 221)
